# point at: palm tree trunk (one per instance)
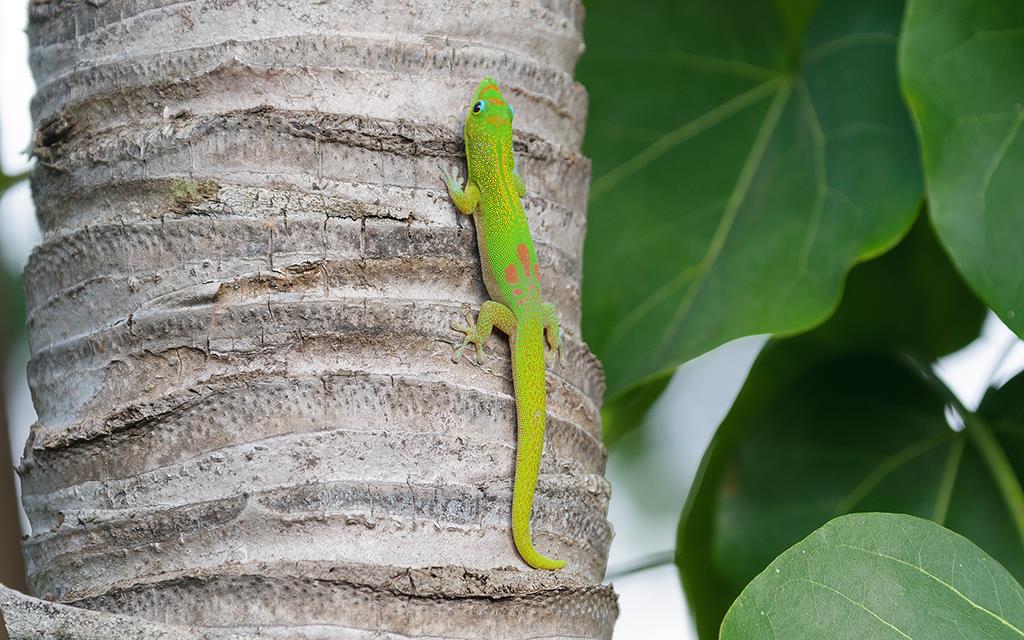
(249, 421)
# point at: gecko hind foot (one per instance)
(556, 343)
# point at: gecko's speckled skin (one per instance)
(493, 195)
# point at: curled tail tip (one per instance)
(540, 562)
(533, 558)
(552, 565)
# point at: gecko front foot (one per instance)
(472, 336)
(450, 177)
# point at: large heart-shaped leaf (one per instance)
(880, 576)
(962, 74)
(832, 422)
(746, 154)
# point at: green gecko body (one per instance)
(493, 196)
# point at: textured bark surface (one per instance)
(249, 421)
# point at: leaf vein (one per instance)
(820, 174)
(886, 467)
(681, 134)
(736, 199)
(997, 160)
(859, 604)
(921, 569)
(826, 49)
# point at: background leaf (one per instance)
(834, 421)
(626, 412)
(746, 154)
(961, 69)
(880, 576)
(12, 321)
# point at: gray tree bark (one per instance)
(249, 421)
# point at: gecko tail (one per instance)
(521, 535)
(522, 507)
(531, 418)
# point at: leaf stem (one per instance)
(6, 181)
(945, 493)
(999, 465)
(980, 435)
(644, 563)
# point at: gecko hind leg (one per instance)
(492, 314)
(553, 331)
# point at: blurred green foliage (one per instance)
(837, 421)
(12, 326)
(746, 156)
(12, 299)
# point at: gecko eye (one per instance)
(478, 106)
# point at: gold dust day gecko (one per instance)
(493, 196)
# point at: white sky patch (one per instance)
(17, 87)
(19, 230)
(678, 429)
(20, 415)
(652, 607)
(993, 358)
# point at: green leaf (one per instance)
(1004, 407)
(916, 280)
(832, 422)
(1002, 412)
(6, 181)
(894, 302)
(746, 154)
(961, 72)
(12, 314)
(12, 319)
(880, 576)
(627, 412)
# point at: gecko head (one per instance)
(489, 115)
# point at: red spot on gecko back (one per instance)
(536, 272)
(524, 257)
(511, 274)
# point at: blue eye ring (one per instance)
(478, 106)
